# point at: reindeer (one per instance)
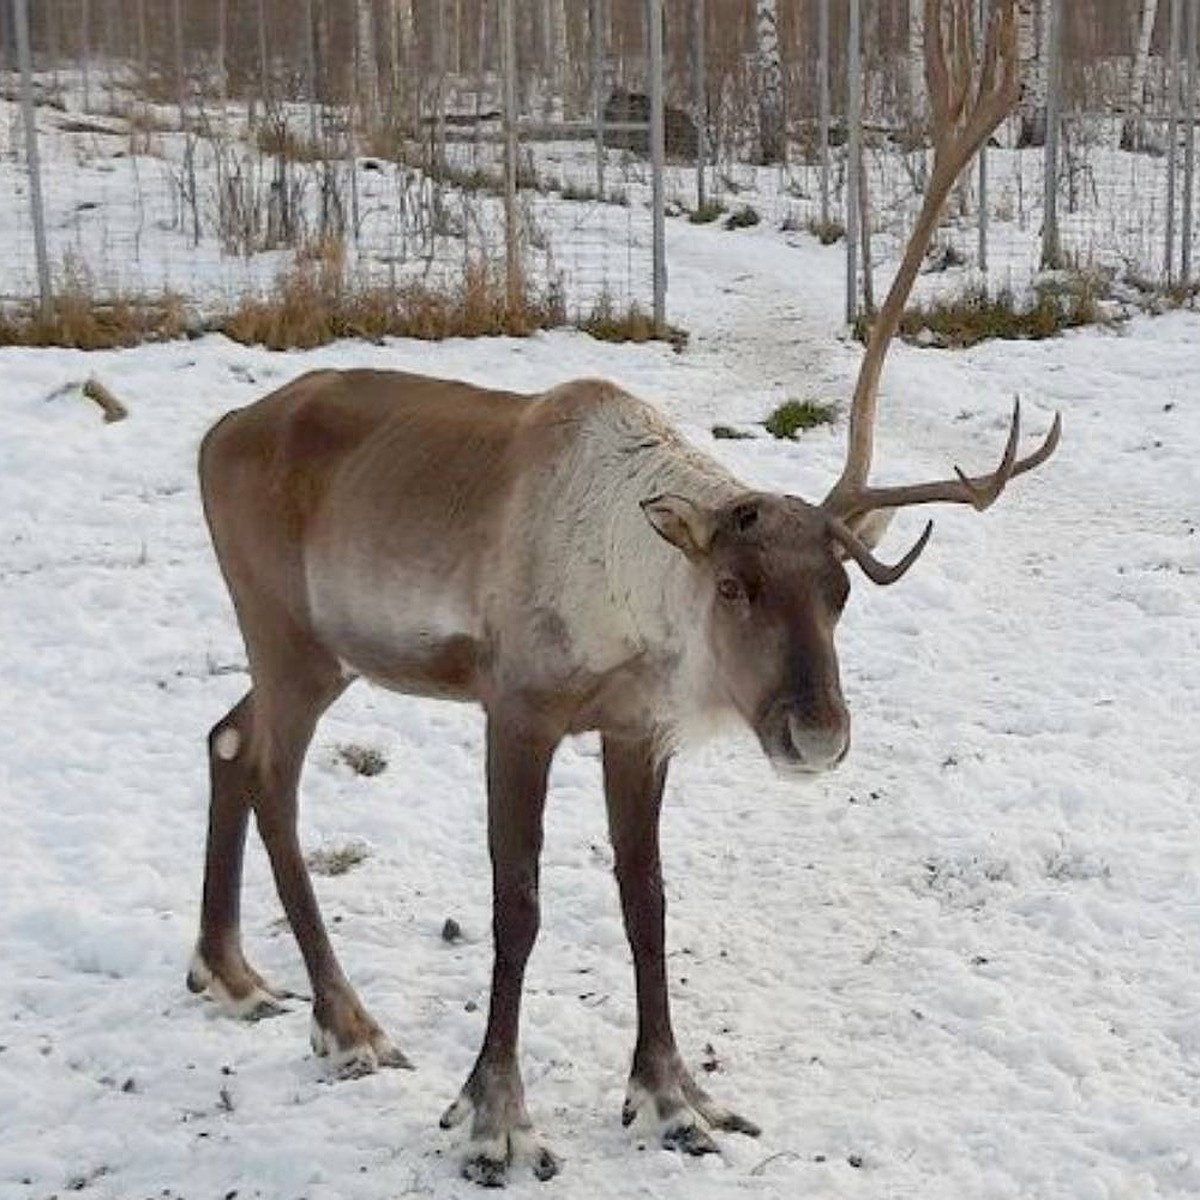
(570, 563)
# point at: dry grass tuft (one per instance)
(608, 324)
(81, 319)
(976, 315)
(317, 300)
(274, 137)
(337, 860)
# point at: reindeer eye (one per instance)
(729, 589)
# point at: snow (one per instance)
(964, 965)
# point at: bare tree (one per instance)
(1133, 130)
(772, 137)
(1033, 40)
(400, 47)
(554, 46)
(916, 63)
(365, 64)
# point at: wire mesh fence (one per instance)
(202, 147)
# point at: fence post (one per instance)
(512, 233)
(654, 13)
(1051, 243)
(1172, 137)
(700, 92)
(85, 18)
(823, 106)
(1189, 156)
(439, 91)
(143, 49)
(853, 157)
(310, 70)
(264, 61)
(598, 57)
(222, 65)
(8, 37)
(32, 160)
(980, 40)
(180, 79)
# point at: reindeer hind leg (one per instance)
(218, 965)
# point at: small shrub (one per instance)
(826, 232)
(362, 760)
(795, 416)
(77, 317)
(274, 137)
(606, 324)
(744, 217)
(942, 256)
(706, 213)
(578, 191)
(337, 860)
(975, 316)
(728, 433)
(316, 301)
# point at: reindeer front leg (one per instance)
(634, 778)
(518, 765)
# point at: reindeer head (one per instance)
(773, 565)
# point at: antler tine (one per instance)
(969, 96)
(979, 492)
(984, 495)
(876, 571)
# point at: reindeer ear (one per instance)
(869, 529)
(685, 525)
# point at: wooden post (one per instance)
(854, 158)
(823, 103)
(700, 85)
(1172, 135)
(1189, 159)
(598, 59)
(512, 230)
(1051, 245)
(654, 11)
(32, 158)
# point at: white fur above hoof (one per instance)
(362, 1058)
(258, 1001)
(682, 1118)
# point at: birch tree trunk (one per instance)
(916, 64)
(1033, 38)
(556, 37)
(772, 137)
(1133, 130)
(366, 64)
(400, 45)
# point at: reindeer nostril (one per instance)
(819, 746)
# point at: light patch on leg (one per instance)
(253, 1006)
(227, 744)
(363, 1058)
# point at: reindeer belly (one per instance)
(409, 629)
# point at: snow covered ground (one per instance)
(967, 965)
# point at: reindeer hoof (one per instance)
(487, 1162)
(498, 1142)
(486, 1170)
(363, 1057)
(688, 1138)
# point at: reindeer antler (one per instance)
(969, 96)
